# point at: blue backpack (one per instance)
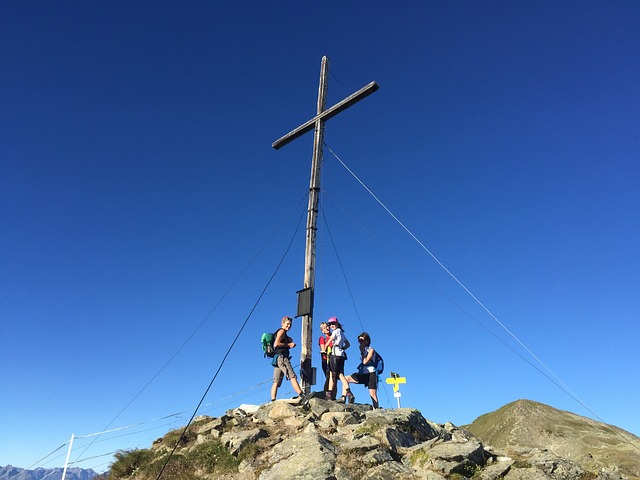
(378, 362)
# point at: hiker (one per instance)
(336, 363)
(325, 351)
(367, 374)
(282, 343)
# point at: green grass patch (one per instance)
(521, 464)
(177, 468)
(213, 457)
(129, 462)
(172, 438)
(419, 457)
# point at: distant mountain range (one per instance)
(14, 473)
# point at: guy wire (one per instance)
(198, 327)
(244, 324)
(346, 280)
(562, 385)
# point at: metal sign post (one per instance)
(396, 380)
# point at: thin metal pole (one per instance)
(312, 216)
(66, 462)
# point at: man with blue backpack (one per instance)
(370, 367)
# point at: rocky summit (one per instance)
(326, 440)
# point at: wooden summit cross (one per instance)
(316, 123)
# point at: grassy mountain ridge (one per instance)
(529, 424)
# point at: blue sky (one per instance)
(144, 210)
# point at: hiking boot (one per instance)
(328, 396)
(303, 398)
(351, 398)
(342, 399)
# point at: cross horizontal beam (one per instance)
(326, 115)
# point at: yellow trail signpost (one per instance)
(396, 380)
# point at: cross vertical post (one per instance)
(306, 349)
(317, 124)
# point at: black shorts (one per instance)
(368, 379)
(336, 364)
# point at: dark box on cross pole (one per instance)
(305, 302)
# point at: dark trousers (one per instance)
(325, 369)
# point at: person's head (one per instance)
(324, 327)
(364, 339)
(286, 322)
(334, 323)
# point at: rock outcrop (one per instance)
(327, 440)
